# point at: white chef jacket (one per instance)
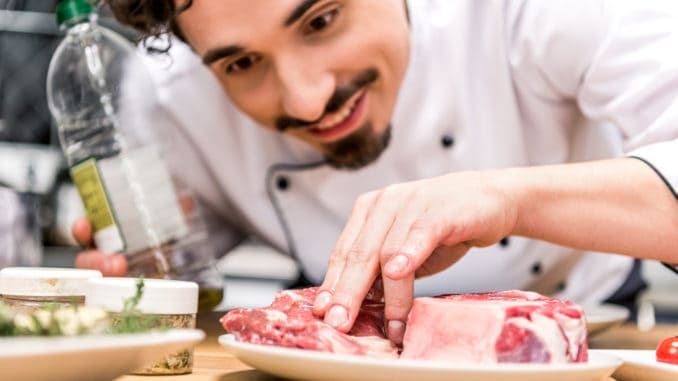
(490, 84)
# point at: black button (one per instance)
(536, 268)
(447, 141)
(283, 183)
(562, 286)
(504, 242)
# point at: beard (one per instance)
(361, 148)
(357, 150)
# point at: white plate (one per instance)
(94, 357)
(603, 317)
(641, 365)
(319, 366)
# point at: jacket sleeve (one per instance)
(616, 59)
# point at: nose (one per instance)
(305, 87)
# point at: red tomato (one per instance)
(667, 350)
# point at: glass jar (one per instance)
(173, 304)
(27, 289)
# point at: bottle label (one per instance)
(87, 179)
(141, 191)
(130, 200)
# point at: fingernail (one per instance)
(336, 316)
(397, 264)
(395, 331)
(322, 300)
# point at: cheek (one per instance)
(394, 47)
(258, 104)
(386, 37)
(392, 65)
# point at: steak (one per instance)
(289, 322)
(496, 327)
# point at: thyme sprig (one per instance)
(131, 319)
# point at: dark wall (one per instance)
(28, 37)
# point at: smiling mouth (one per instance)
(342, 122)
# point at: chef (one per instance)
(486, 145)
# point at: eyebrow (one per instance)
(216, 54)
(299, 11)
(219, 53)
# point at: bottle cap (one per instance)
(44, 281)
(160, 296)
(73, 11)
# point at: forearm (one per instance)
(619, 206)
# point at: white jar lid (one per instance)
(160, 296)
(45, 281)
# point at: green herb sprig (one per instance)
(131, 319)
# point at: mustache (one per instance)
(340, 96)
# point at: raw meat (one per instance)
(289, 322)
(509, 326)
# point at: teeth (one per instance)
(337, 118)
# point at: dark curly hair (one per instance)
(150, 17)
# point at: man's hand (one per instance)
(406, 231)
(108, 264)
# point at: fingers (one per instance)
(108, 264)
(337, 258)
(398, 297)
(394, 231)
(361, 264)
(360, 270)
(399, 294)
(400, 259)
(82, 231)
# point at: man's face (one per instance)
(325, 71)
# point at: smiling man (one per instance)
(462, 124)
(299, 67)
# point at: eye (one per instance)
(242, 64)
(320, 23)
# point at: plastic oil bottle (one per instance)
(125, 185)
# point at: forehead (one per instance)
(236, 21)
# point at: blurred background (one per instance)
(38, 202)
(30, 159)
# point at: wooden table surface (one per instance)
(214, 363)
